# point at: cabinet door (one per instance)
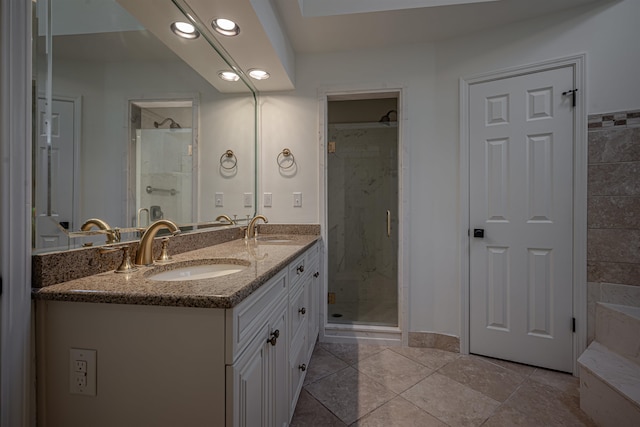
(247, 382)
(278, 369)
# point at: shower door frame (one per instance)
(351, 333)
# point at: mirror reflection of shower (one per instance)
(172, 125)
(388, 118)
(164, 148)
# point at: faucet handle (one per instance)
(164, 252)
(126, 266)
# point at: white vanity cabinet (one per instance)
(256, 374)
(189, 366)
(272, 340)
(304, 317)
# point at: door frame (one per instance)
(579, 268)
(366, 333)
(77, 139)
(17, 374)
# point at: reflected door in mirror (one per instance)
(55, 187)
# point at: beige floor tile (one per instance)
(566, 383)
(392, 370)
(310, 413)
(519, 368)
(352, 353)
(350, 394)
(430, 357)
(550, 405)
(398, 412)
(511, 417)
(451, 402)
(322, 364)
(492, 380)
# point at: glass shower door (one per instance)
(362, 224)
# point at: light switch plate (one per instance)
(267, 200)
(219, 200)
(248, 200)
(297, 199)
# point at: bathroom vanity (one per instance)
(229, 350)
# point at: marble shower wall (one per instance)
(613, 215)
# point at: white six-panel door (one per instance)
(521, 195)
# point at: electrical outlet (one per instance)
(297, 200)
(219, 200)
(80, 381)
(248, 200)
(267, 200)
(82, 371)
(81, 366)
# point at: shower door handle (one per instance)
(388, 223)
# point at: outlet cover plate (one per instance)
(82, 371)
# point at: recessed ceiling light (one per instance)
(258, 74)
(185, 30)
(226, 27)
(229, 76)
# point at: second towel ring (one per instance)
(228, 156)
(285, 154)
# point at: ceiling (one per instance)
(273, 32)
(396, 26)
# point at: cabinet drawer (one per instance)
(298, 271)
(299, 309)
(246, 319)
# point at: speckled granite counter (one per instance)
(264, 258)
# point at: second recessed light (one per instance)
(226, 27)
(258, 74)
(185, 30)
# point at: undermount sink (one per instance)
(272, 239)
(205, 269)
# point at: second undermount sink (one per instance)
(204, 269)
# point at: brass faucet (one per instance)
(251, 229)
(226, 218)
(113, 236)
(144, 256)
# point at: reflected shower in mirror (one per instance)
(94, 65)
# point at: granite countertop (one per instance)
(265, 259)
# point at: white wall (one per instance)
(430, 73)
(226, 122)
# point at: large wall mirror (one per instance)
(133, 124)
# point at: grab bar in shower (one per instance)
(150, 190)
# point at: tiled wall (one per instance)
(613, 237)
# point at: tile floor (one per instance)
(364, 385)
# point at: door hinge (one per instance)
(571, 92)
(573, 324)
(331, 298)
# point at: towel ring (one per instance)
(285, 154)
(228, 156)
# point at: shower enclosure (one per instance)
(362, 182)
(164, 180)
(163, 158)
